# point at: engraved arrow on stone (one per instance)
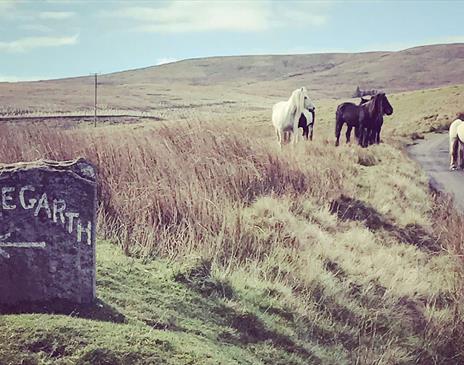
(17, 244)
(2, 252)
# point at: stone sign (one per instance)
(47, 232)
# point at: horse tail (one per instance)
(454, 149)
(274, 116)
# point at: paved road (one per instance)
(432, 154)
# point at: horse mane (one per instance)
(370, 105)
(297, 100)
(379, 101)
(374, 106)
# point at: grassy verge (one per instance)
(171, 313)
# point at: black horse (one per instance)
(371, 119)
(303, 123)
(347, 113)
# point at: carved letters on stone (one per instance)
(47, 231)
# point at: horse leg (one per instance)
(365, 137)
(348, 133)
(305, 132)
(357, 131)
(379, 129)
(338, 129)
(279, 137)
(287, 137)
(359, 134)
(371, 136)
(295, 132)
(370, 139)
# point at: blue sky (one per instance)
(59, 38)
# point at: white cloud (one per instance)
(162, 61)
(35, 28)
(29, 43)
(197, 16)
(201, 16)
(56, 15)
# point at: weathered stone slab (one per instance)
(47, 231)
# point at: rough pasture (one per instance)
(239, 253)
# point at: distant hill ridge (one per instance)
(327, 74)
(246, 81)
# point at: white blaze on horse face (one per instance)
(308, 103)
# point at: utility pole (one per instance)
(95, 106)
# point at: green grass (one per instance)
(156, 313)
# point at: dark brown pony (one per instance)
(347, 113)
(371, 119)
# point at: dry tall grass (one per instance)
(173, 189)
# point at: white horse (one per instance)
(456, 144)
(286, 114)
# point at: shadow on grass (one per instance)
(240, 328)
(199, 279)
(250, 329)
(353, 209)
(98, 310)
